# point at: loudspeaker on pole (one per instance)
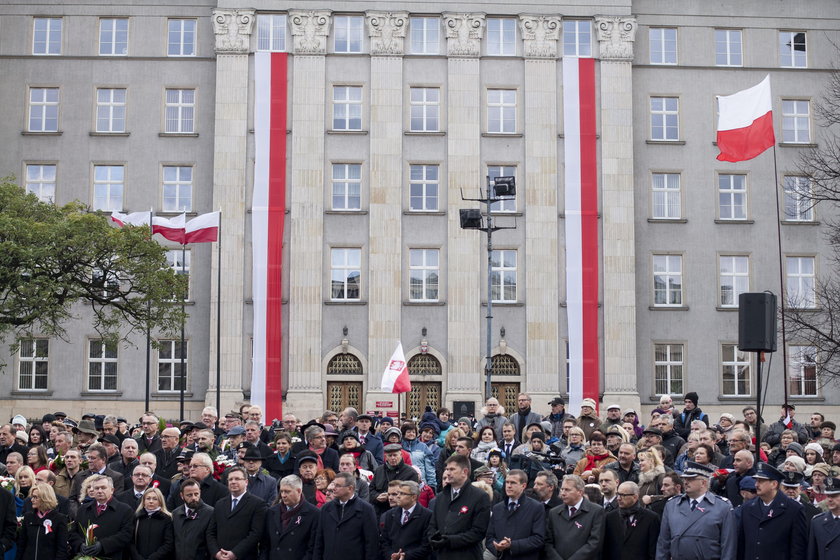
(757, 322)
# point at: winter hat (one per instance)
(816, 447)
(692, 396)
(796, 448)
(797, 462)
(391, 431)
(823, 468)
(19, 419)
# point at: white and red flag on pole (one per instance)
(133, 219)
(745, 123)
(173, 229)
(203, 228)
(395, 377)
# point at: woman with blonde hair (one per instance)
(43, 532)
(576, 448)
(154, 538)
(448, 450)
(651, 473)
(24, 479)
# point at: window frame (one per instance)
(507, 205)
(572, 28)
(669, 364)
(178, 184)
(504, 108)
(734, 274)
(799, 281)
(174, 363)
(102, 360)
(663, 114)
(499, 41)
(40, 180)
(43, 105)
(267, 23)
(503, 272)
(48, 42)
(424, 182)
(727, 52)
(350, 30)
(732, 194)
(666, 194)
(112, 107)
(114, 34)
(796, 118)
(659, 53)
(345, 269)
(737, 367)
(424, 107)
(669, 275)
(110, 184)
(182, 34)
(425, 30)
(347, 181)
(794, 352)
(181, 107)
(791, 54)
(793, 197)
(349, 103)
(424, 271)
(33, 360)
(174, 258)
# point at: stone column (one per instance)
(538, 188)
(306, 210)
(233, 33)
(464, 258)
(387, 45)
(616, 35)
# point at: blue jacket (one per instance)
(354, 536)
(422, 458)
(525, 526)
(778, 532)
(824, 542)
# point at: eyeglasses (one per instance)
(620, 495)
(141, 475)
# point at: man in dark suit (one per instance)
(167, 456)
(201, 469)
(114, 521)
(792, 487)
(97, 457)
(772, 526)
(824, 540)
(460, 515)
(8, 521)
(190, 521)
(517, 525)
(403, 534)
(238, 521)
(575, 529)
(8, 443)
(631, 531)
(149, 440)
(141, 477)
(545, 490)
(163, 484)
(347, 529)
(608, 481)
(393, 469)
(290, 525)
(126, 462)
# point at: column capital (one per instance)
(233, 30)
(616, 35)
(310, 29)
(387, 32)
(540, 35)
(463, 34)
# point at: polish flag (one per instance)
(173, 229)
(395, 377)
(203, 228)
(745, 123)
(133, 219)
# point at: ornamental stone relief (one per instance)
(387, 32)
(233, 30)
(310, 29)
(540, 35)
(463, 34)
(616, 36)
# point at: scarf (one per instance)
(151, 512)
(287, 514)
(318, 453)
(627, 512)
(284, 458)
(592, 459)
(522, 414)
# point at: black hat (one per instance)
(789, 405)
(253, 454)
(185, 455)
(765, 471)
(538, 435)
(200, 426)
(792, 478)
(392, 447)
(828, 424)
(836, 447)
(110, 438)
(244, 445)
(47, 419)
(121, 419)
(386, 420)
(349, 434)
(59, 414)
(69, 422)
(692, 396)
(364, 417)
(693, 470)
(832, 486)
(88, 416)
(654, 431)
(306, 456)
(557, 400)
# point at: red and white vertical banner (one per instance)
(581, 201)
(268, 213)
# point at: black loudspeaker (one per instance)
(470, 218)
(757, 322)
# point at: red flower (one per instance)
(464, 509)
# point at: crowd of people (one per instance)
(351, 486)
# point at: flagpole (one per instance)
(781, 276)
(183, 321)
(148, 330)
(219, 318)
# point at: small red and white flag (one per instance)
(133, 219)
(745, 123)
(173, 229)
(395, 377)
(203, 228)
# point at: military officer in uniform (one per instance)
(697, 525)
(824, 542)
(792, 487)
(771, 526)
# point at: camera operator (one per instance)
(542, 457)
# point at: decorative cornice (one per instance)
(463, 33)
(233, 30)
(616, 35)
(540, 35)
(387, 32)
(310, 29)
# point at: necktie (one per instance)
(233, 503)
(341, 512)
(405, 517)
(629, 521)
(572, 511)
(693, 505)
(511, 506)
(455, 493)
(507, 451)
(100, 508)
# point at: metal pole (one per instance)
(183, 320)
(219, 320)
(488, 365)
(149, 333)
(781, 277)
(758, 410)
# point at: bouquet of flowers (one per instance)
(90, 541)
(220, 465)
(7, 483)
(58, 463)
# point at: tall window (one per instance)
(728, 50)
(424, 272)
(346, 186)
(271, 32)
(108, 185)
(180, 111)
(169, 365)
(46, 35)
(732, 197)
(501, 111)
(181, 37)
(346, 274)
(501, 36)
(802, 371)
(799, 205)
(668, 369)
(503, 276)
(667, 202)
(734, 278)
(425, 35)
(493, 171)
(664, 118)
(102, 366)
(349, 32)
(347, 108)
(663, 45)
(181, 262)
(667, 280)
(110, 110)
(425, 109)
(40, 181)
(424, 187)
(801, 282)
(793, 51)
(43, 109)
(577, 37)
(113, 36)
(735, 368)
(33, 364)
(177, 188)
(796, 121)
